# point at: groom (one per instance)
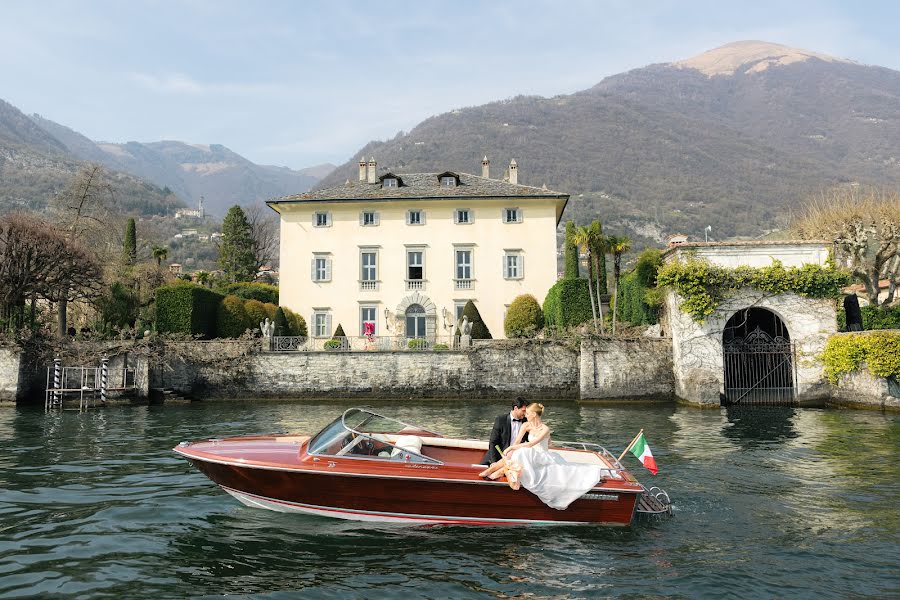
(506, 428)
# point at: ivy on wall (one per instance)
(846, 353)
(703, 286)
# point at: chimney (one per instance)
(485, 167)
(362, 168)
(370, 170)
(513, 172)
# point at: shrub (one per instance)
(417, 344)
(440, 347)
(874, 318)
(570, 252)
(281, 323)
(296, 323)
(339, 332)
(633, 305)
(845, 353)
(568, 303)
(256, 312)
(187, 308)
(524, 317)
(118, 307)
(479, 329)
(253, 291)
(232, 320)
(333, 345)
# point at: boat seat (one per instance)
(411, 443)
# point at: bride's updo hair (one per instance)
(536, 408)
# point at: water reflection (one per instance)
(752, 426)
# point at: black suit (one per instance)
(501, 435)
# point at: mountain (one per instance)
(733, 138)
(223, 177)
(35, 166)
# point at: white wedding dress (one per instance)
(551, 478)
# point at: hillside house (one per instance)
(406, 251)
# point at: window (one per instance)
(367, 316)
(415, 321)
(389, 182)
(512, 215)
(415, 217)
(415, 261)
(464, 264)
(462, 216)
(321, 323)
(459, 305)
(513, 265)
(368, 261)
(322, 219)
(448, 181)
(368, 218)
(321, 267)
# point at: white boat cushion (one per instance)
(411, 443)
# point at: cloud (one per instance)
(184, 85)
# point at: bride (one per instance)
(545, 474)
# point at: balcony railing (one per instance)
(368, 286)
(415, 284)
(374, 343)
(463, 284)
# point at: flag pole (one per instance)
(625, 451)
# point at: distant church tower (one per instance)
(200, 208)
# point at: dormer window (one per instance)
(389, 182)
(448, 181)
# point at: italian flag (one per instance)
(641, 449)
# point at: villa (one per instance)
(404, 252)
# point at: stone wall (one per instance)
(634, 368)
(10, 373)
(861, 388)
(697, 353)
(234, 369)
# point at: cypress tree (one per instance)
(281, 323)
(479, 329)
(339, 332)
(236, 255)
(571, 253)
(130, 246)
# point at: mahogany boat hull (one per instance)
(408, 493)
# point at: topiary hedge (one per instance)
(568, 303)
(480, 331)
(265, 293)
(296, 323)
(873, 317)
(524, 318)
(845, 353)
(231, 317)
(187, 308)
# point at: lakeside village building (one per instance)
(405, 252)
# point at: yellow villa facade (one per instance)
(405, 252)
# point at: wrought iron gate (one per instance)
(759, 369)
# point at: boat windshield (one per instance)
(360, 433)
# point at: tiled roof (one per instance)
(422, 185)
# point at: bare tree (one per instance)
(83, 210)
(864, 226)
(264, 228)
(39, 262)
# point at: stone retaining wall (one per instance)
(861, 388)
(10, 373)
(638, 368)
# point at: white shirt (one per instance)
(514, 430)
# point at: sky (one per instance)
(296, 84)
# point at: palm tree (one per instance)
(203, 277)
(617, 245)
(583, 238)
(160, 253)
(598, 250)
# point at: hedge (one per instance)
(873, 318)
(845, 353)
(296, 323)
(524, 317)
(568, 303)
(480, 331)
(265, 293)
(232, 319)
(187, 308)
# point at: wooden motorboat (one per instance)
(368, 467)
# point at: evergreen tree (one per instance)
(236, 250)
(339, 332)
(571, 253)
(479, 329)
(281, 323)
(130, 245)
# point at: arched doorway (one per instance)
(758, 359)
(415, 321)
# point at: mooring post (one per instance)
(57, 380)
(104, 378)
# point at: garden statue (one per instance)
(465, 331)
(267, 327)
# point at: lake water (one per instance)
(789, 503)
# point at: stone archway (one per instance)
(430, 313)
(758, 358)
